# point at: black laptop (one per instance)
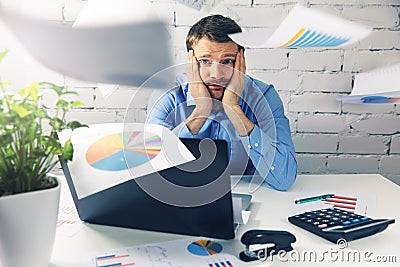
(207, 194)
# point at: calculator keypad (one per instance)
(333, 224)
(330, 217)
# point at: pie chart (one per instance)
(204, 248)
(121, 151)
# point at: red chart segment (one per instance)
(121, 151)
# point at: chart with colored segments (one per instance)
(121, 151)
(204, 248)
(311, 38)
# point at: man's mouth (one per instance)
(215, 87)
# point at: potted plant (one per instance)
(29, 149)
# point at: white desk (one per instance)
(270, 210)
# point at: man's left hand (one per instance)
(235, 87)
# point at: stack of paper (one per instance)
(380, 86)
(305, 27)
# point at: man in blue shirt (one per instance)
(215, 99)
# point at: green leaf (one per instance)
(3, 54)
(58, 89)
(76, 104)
(67, 151)
(62, 103)
(75, 124)
(22, 112)
(31, 90)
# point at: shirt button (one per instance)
(249, 146)
(256, 144)
(272, 168)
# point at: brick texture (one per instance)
(329, 137)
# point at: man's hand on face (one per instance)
(231, 97)
(235, 87)
(197, 88)
(200, 94)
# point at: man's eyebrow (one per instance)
(230, 55)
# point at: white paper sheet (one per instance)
(361, 204)
(200, 4)
(305, 27)
(97, 13)
(125, 54)
(240, 215)
(193, 252)
(379, 86)
(108, 154)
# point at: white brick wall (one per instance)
(329, 137)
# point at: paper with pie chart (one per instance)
(193, 252)
(109, 154)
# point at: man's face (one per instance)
(216, 62)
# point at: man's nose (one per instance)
(217, 70)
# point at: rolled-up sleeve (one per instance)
(270, 146)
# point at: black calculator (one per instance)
(334, 224)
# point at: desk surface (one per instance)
(270, 209)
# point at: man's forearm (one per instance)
(239, 120)
(196, 120)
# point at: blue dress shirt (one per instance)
(268, 149)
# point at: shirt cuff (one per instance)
(182, 131)
(256, 140)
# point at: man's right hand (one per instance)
(200, 94)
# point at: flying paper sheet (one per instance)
(380, 86)
(194, 252)
(125, 54)
(108, 154)
(195, 4)
(304, 27)
(200, 4)
(97, 13)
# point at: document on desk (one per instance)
(125, 54)
(108, 154)
(361, 204)
(193, 252)
(305, 27)
(378, 86)
(68, 222)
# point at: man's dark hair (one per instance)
(215, 27)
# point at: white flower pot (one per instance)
(28, 223)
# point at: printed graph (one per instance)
(204, 248)
(311, 38)
(121, 258)
(221, 264)
(342, 202)
(123, 151)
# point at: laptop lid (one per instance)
(193, 198)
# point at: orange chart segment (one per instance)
(104, 147)
(121, 151)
